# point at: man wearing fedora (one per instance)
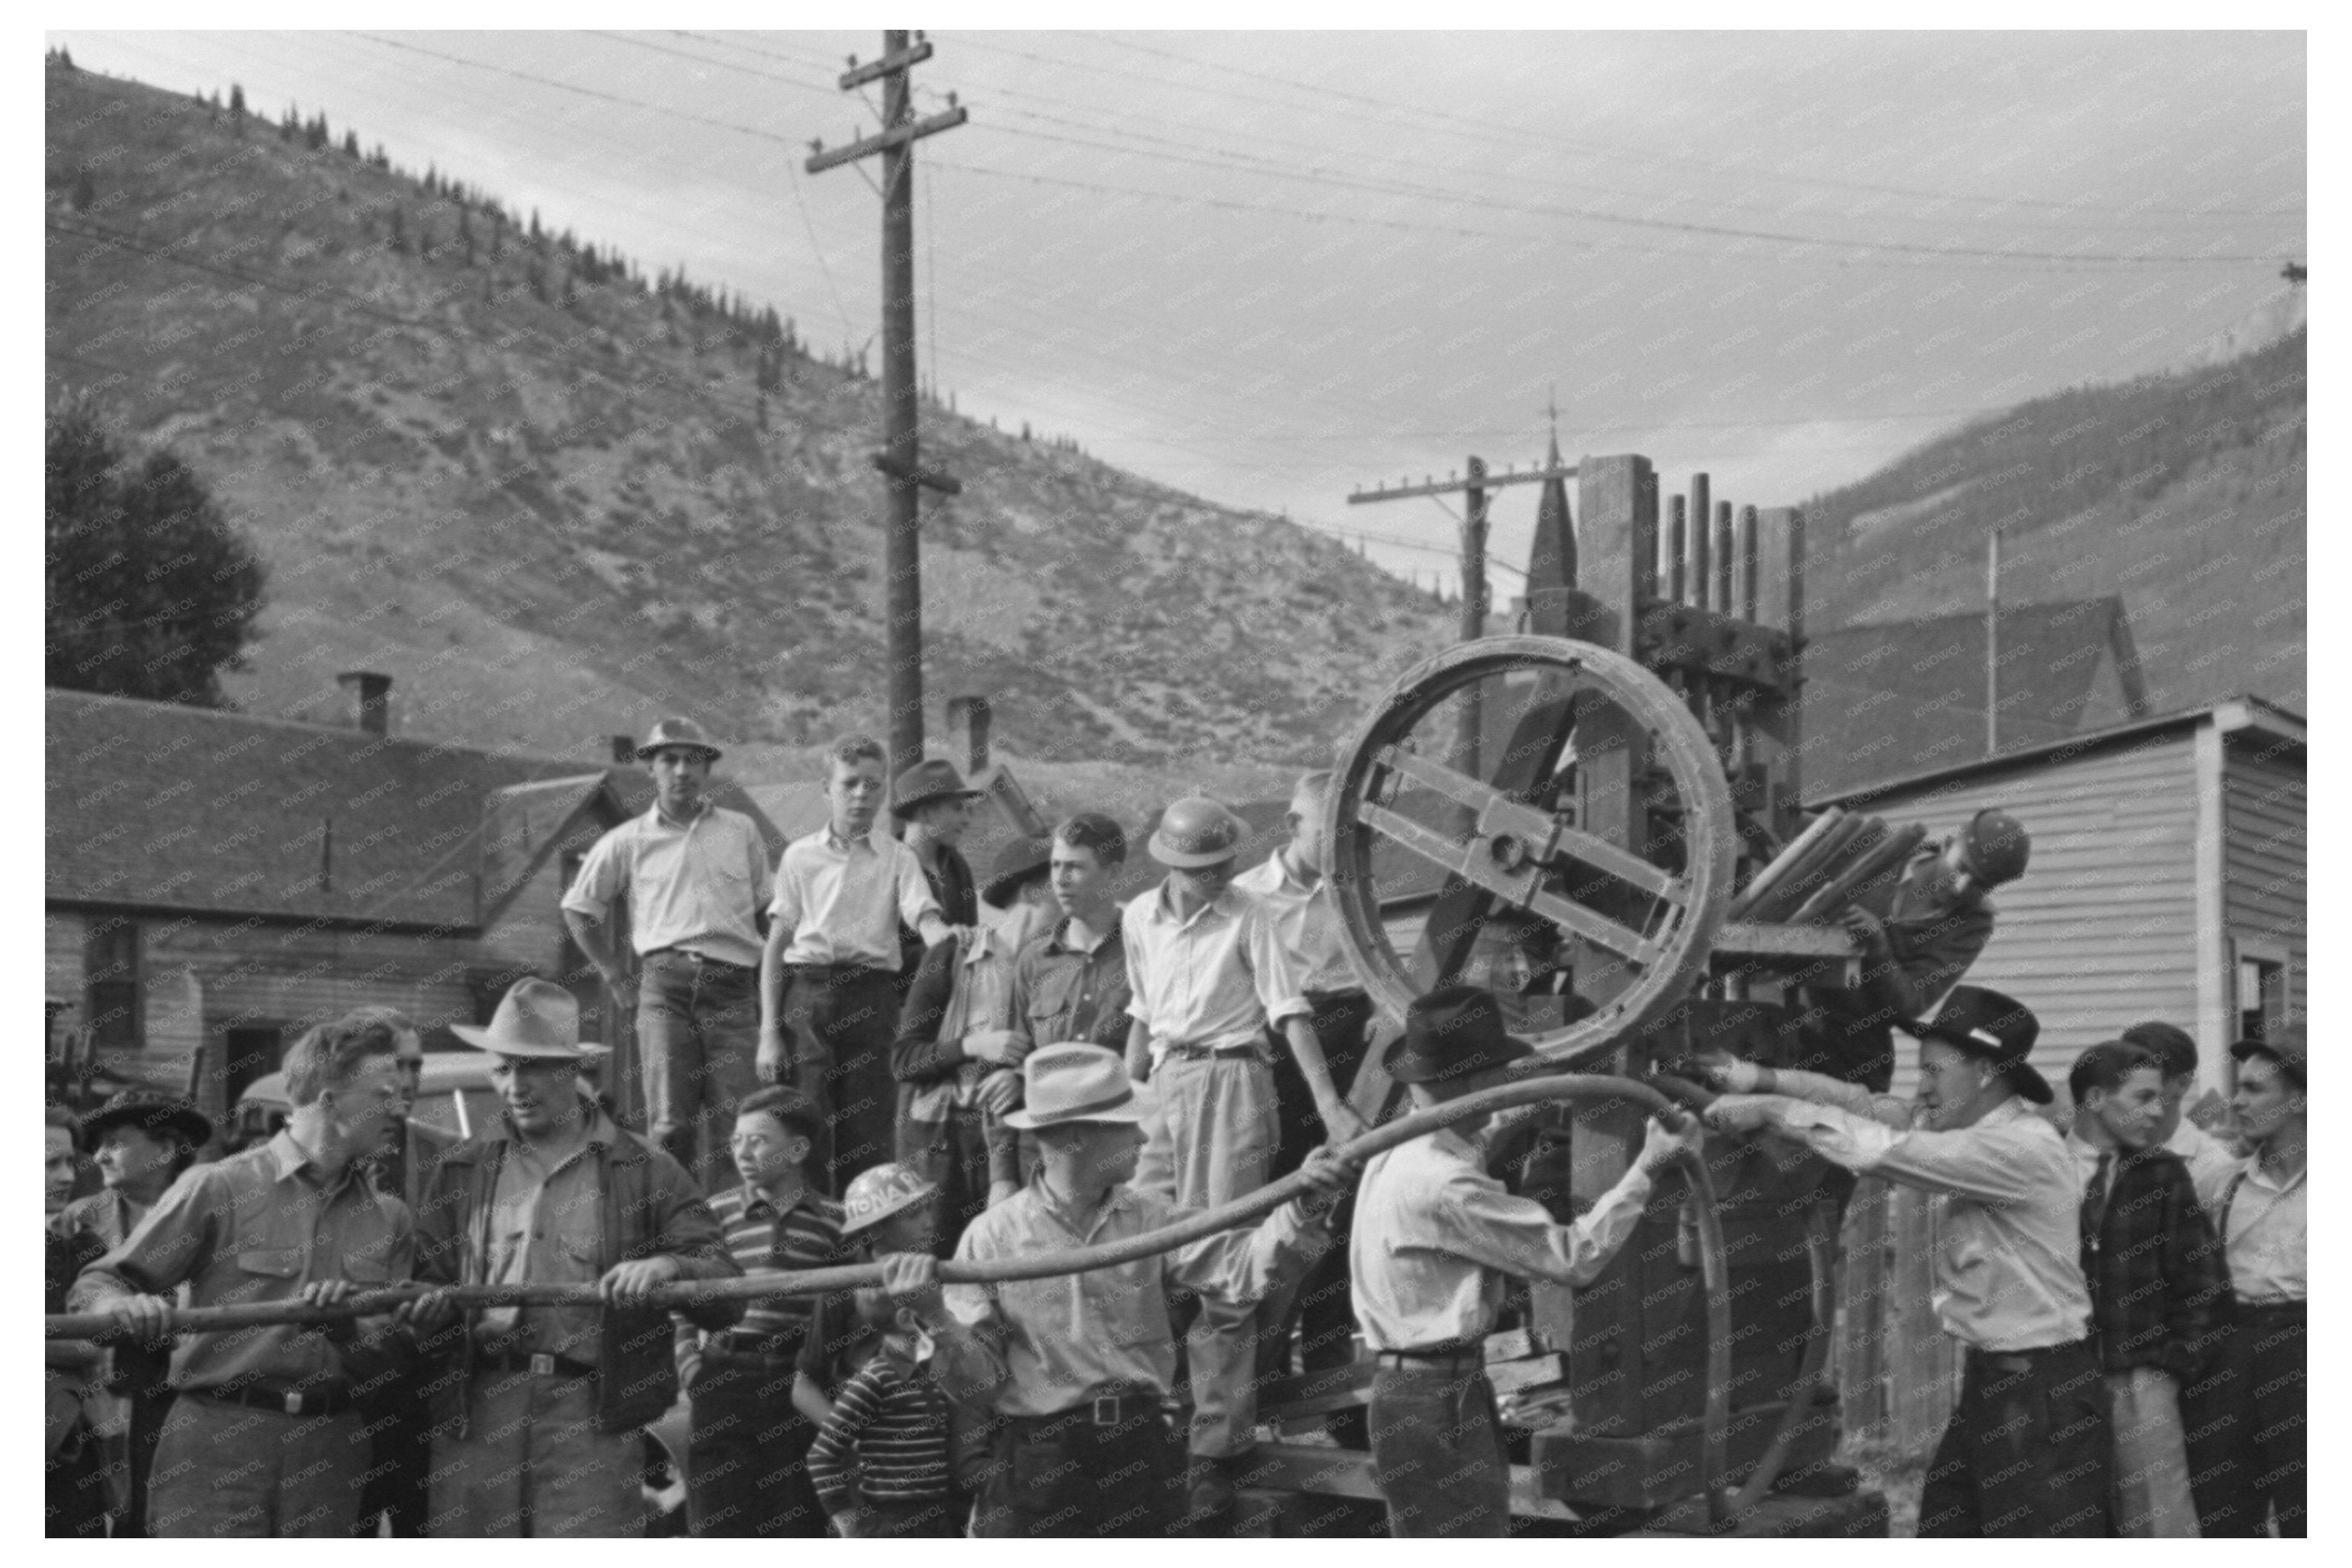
(537, 1410)
(830, 978)
(958, 1058)
(935, 807)
(1434, 1243)
(692, 873)
(263, 1438)
(142, 1141)
(1077, 1367)
(1211, 984)
(2027, 1449)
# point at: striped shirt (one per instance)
(805, 1235)
(886, 1439)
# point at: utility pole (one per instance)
(1473, 489)
(899, 459)
(1992, 644)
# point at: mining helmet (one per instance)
(681, 732)
(880, 1193)
(1997, 846)
(1194, 832)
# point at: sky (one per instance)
(1273, 268)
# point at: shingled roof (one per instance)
(1889, 699)
(156, 806)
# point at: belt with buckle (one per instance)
(2025, 1359)
(1200, 1053)
(760, 1347)
(284, 1401)
(1437, 1358)
(539, 1364)
(1099, 1410)
(701, 959)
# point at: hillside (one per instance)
(552, 500)
(2184, 492)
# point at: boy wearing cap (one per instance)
(535, 1430)
(829, 992)
(2026, 1451)
(1434, 1243)
(2209, 1159)
(2157, 1290)
(691, 873)
(2248, 1444)
(1077, 1366)
(1211, 979)
(881, 1462)
(744, 1472)
(957, 1057)
(935, 808)
(1918, 935)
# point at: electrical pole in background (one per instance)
(899, 459)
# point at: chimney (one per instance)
(624, 748)
(969, 715)
(371, 694)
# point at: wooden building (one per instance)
(215, 883)
(2167, 878)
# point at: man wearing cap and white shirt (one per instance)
(1918, 933)
(2026, 1452)
(2248, 1445)
(692, 874)
(1211, 975)
(535, 1423)
(1435, 1240)
(1079, 1365)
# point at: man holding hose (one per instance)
(1434, 1237)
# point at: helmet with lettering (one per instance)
(877, 1194)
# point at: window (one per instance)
(2262, 1004)
(110, 976)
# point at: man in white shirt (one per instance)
(2247, 1450)
(691, 873)
(2026, 1452)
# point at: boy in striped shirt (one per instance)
(745, 1475)
(881, 1462)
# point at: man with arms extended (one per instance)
(2157, 1291)
(1435, 1241)
(537, 1408)
(828, 980)
(692, 873)
(264, 1439)
(1077, 1366)
(2026, 1451)
(2247, 1440)
(1211, 976)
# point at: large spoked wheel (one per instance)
(1639, 888)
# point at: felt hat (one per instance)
(1999, 1029)
(1194, 832)
(926, 782)
(1015, 861)
(151, 1112)
(1453, 1031)
(535, 1018)
(677, 732)
(1075, 1082)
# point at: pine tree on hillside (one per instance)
(151, 592)
(351, 143)
(236, 110)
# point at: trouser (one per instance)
(129, 1453)
(2026, 1452)
(1070, 1476)
(1320, 1306)
(1437, 1450)
(941, 1517)
(74, 1488)
(2247, 1437)
(698, 1030)
(225, 1469)
(1210, 1140)
(841, 1020)
(528, 1462)
(400, 1457)
(962, 1155)
(747, 1451)
(2151, 1467)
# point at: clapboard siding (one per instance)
(61, 961)
(2265, 814)
(2101, 931)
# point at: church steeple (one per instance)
(1552, 562)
